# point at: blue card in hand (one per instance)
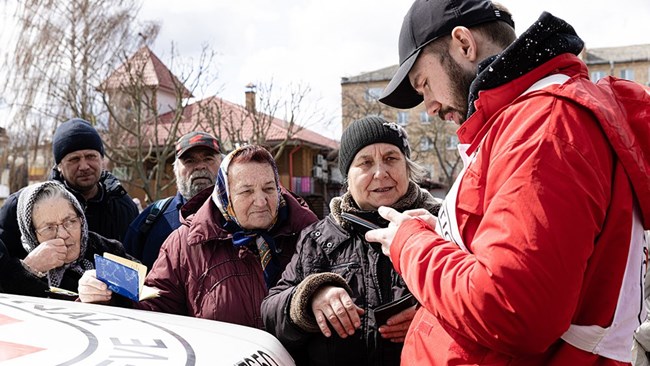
(123, 276)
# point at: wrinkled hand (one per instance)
(333, 304)
(397, 325)
(47, 255)
(93, 290)
(385, 236)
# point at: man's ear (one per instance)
(463, 45)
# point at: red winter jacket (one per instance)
(201, 274)
(546, 212)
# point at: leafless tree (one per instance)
(59, 53)
(146, 117)
(268, 109)
(295, 111)
(436, 142)
(358, 103)
(432, 141)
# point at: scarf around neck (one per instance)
(415, 197)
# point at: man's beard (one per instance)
(460, 82)
(189, 189)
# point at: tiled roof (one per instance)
(154, 73)
(604, 55)
(384, 74)
(236, 122)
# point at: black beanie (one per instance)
(368, 131)
(74, 135)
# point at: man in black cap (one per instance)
(537, 255)
(197, 161)
(78, 153)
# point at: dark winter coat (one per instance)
(145, 247)
(15, 279)
(201, 274)
(326, 247)
(326, 250)
(97, 244)
(109, 214)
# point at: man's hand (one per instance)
(397, 325)
(333, 304)
(93, 290)
(385, 236)
(47, 255)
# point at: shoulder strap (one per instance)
(157, 209)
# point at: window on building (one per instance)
(402, 118)
(452, 142)
(373, 94)
(627, 74)
(425, 118)
(597, 75)
(426, 143)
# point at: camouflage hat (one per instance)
(196, 139)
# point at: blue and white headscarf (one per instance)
(243, 237)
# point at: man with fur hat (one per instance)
(197, 162)
(78, 153)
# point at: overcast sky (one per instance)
(317, 42)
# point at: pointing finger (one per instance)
(392, 215)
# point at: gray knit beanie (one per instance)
(74, 135)
(368, 131)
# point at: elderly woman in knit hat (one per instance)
(325, 306)
(55, 235)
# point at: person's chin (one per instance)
(260, 221)
(87, 181)
(71, 258)
(386, 200)
(199, 185)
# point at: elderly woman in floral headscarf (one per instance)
(55, 235)
(325, 308)
(232, 246)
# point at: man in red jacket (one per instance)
(537, 256)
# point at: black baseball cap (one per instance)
(426, 21)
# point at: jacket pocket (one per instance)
(345, 270)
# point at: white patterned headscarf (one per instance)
(29, 197)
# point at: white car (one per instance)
(35, 331)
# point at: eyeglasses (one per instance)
(50, 231)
